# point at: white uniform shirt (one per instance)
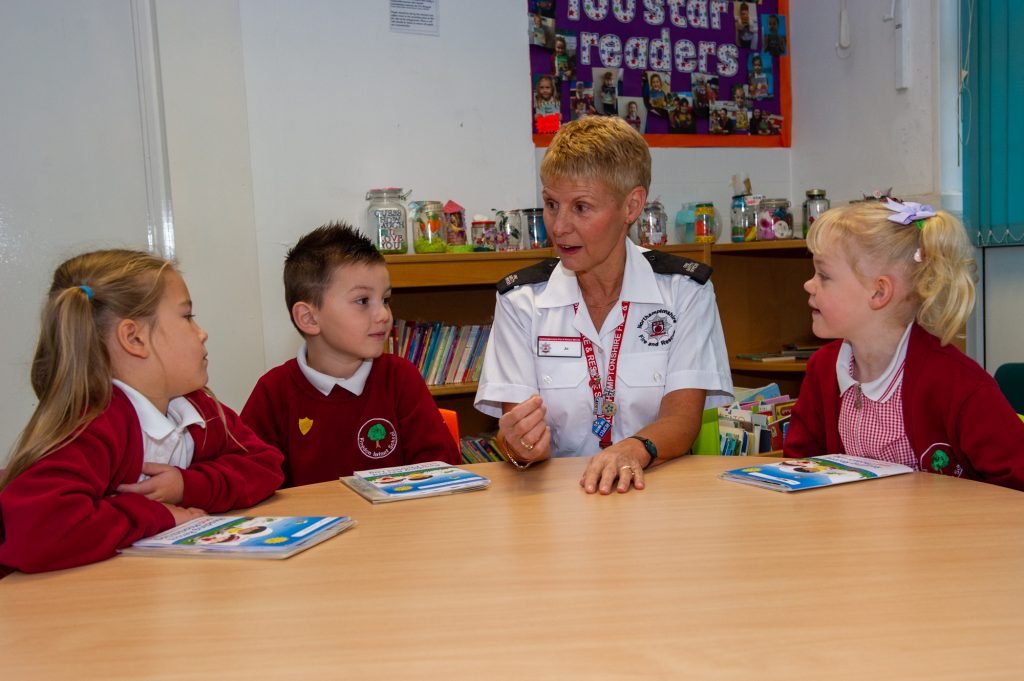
(165, 438)
(672, 340)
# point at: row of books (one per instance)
(480, 450)
(789, 353)
(756, 425)
(443, 353)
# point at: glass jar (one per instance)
(485, 235)
(385, 219)
(428, 236)
(814, 206)
(774, 221)
(743, 217)
(705, 226)
(535, 234)
(652, 227)
(509, 230)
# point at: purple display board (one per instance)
(682, 72)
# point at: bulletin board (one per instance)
(685, 73)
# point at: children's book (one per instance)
(415, 481)
(794, 475)
(242, 536)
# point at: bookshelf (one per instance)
(759, 287)
(763, 305)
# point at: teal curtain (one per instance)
(992, 112)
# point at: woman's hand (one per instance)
(623, 462)
(165, 484)
(183, 515)
(525, 433)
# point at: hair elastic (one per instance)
(88, 291)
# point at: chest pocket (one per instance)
(557, 373)
(643, 369)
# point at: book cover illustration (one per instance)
(414, 481)
(794, 475)
(243, 536)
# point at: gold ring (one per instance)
(622, 468)
(528, 448)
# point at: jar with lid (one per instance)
(385, 219)
(427, 218)
(744, 217)
(705, 227)
(774, 221)
(652, 226)
(814, 206)
(535, 234)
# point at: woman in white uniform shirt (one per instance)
(610, 351)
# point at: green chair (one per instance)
(1010, 378)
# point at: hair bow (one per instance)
(908, 212)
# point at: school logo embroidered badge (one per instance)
(377, 438)
(936, 459)
(657, 328)
(305, 425)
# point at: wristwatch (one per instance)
(649, 446)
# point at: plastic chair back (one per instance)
(1010, 378)
(451, 419)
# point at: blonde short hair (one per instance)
(942, 282)
(604, 148)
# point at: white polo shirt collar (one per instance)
(882, 388)
(325, 383)
(180, 414)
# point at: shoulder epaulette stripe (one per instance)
(666, 263)
(534, 274)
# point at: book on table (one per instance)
(794, 475)
(242, 536)
(414, 481)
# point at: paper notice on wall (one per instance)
(415, 16)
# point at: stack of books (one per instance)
(443, 353)
(755, 425)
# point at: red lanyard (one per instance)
(604, 400)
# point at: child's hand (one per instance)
(165, 484)
(183, 515)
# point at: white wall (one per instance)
(71, 163)
(854, 132)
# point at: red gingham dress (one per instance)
(873, 428)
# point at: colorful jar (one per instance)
(685, 223)
(774, 221)
(705, 226)
(744, 217)
(652, 226)
(427, 220)
(485, 235)
(385, 219)
(456, 231)
(535, 234)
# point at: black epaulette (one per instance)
(666, 263)
(534, 274)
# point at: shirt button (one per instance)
(547, 379)
(657, 377)
(600, 350)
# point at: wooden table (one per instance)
(913, 577)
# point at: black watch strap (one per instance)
(649, 446)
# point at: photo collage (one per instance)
(713, 69)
